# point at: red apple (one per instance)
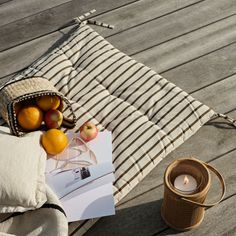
(88, 131)
(53, 119)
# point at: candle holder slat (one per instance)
(186, 211)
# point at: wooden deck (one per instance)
(190, 42)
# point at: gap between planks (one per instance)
(207, 53)
(4, 1)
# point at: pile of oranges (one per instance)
(30, 116)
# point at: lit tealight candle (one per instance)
(185, 183)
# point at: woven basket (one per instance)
(186, 211)
(16, 91)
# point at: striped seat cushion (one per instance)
(149, 117)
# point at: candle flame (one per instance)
(186, 180)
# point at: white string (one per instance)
(228, 118)
(81, 20)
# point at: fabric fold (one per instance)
(47, 220)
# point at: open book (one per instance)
(82, 177)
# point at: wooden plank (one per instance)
(204, 70)
(19, 57)
(141, 216)
(15, 10)
(51, 20)
(140, 13)
(221, 96)
(26, 58)
(5, 79)
(4, 1)
(160, 30)
(185, 48)
(219, 220)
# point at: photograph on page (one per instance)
(79, 164)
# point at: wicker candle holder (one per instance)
(182, 211)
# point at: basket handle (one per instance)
(220, 177)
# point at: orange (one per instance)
(30, 117)
(54, 141)
(48, 102)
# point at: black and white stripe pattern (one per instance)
(148, 115)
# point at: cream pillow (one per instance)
(22, 167)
